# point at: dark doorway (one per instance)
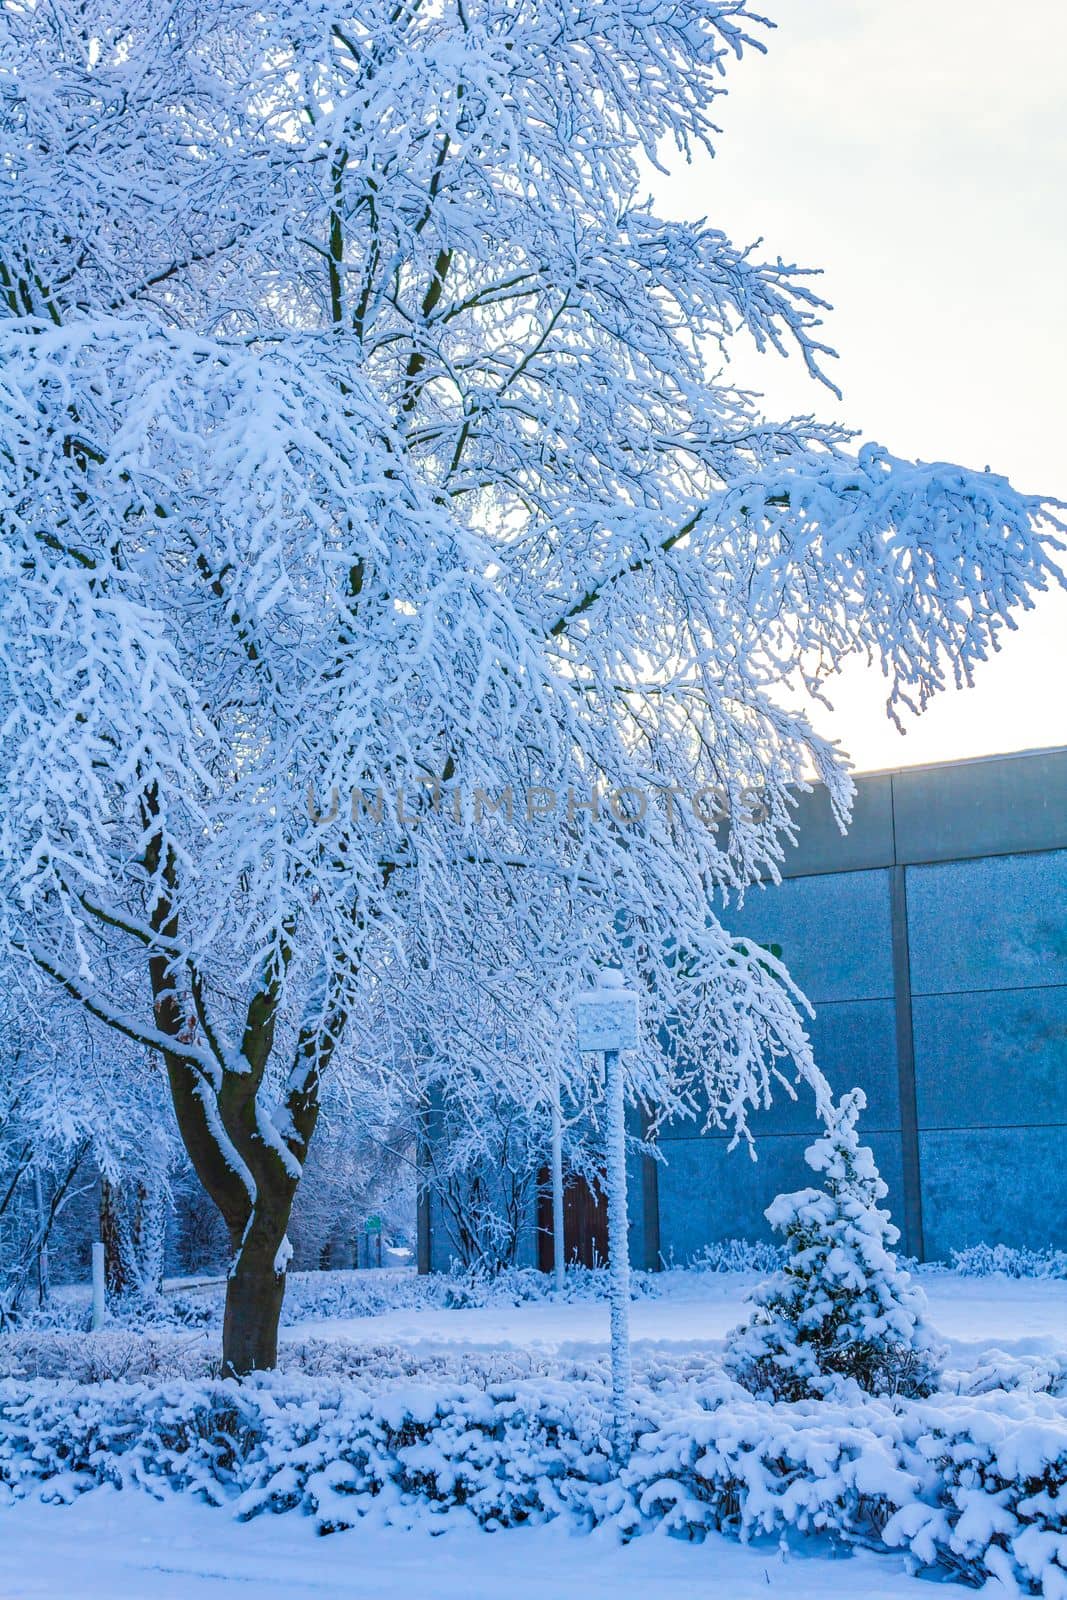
(585, 1223)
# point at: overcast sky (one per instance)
(917, 152)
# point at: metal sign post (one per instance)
(607, 1024)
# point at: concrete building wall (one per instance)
(989, 1003)
(932, 942)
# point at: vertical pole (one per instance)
(618, 1253)
(557, 1194)
(98, 1285)
(423, 1235)
(43, 1284)
(428, 1129)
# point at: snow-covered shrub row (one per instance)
(317, 1296)
(978, 1489)
(983, 1260)
(469, 1287)
(112, 1354)
(121, 1355)
(70, 1311)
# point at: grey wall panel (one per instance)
(442, 1250)
(996, 1058)
(834, 932)
(855, 1045)
(821, 847)
(996, 923)
(708, 1193)
(527, 1252)
(993, 1185)
(988, 807)
(998, 805)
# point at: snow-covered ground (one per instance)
(115, 1545)
(695, 1310)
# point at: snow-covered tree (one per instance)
(362, 1163)
(481, 1165)
(62, 1108)
(361, 431)
(841, 1306)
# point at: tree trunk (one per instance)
(255, 1290)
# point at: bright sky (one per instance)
(917, 152)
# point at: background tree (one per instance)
(360, 427)
(73, 1104)
(362, 1164)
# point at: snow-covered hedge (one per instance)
(974, 1488)
(117, 1354)
(316, 1296)
(983, 1260)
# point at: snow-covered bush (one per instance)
(316, 1295)
(737, 1255)
(1034, 1372)
(841, 1306)
(983, 1260)
(117, 1355)
(111, 1355)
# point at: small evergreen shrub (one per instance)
(841, 1307)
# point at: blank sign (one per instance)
(607, 1017)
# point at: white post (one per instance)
(607, 1024)
(618, 1252)
(98, 1286)
(557, 1194)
